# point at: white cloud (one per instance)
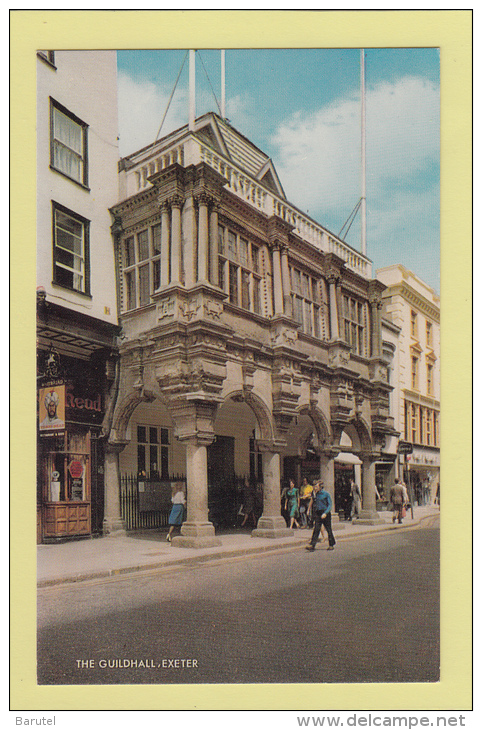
(141, 108)
(319, 153)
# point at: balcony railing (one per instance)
(193, 151)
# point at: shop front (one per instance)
(421, 474)
(70, 460)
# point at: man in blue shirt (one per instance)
(322, 505)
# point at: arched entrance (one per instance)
(301, 459)
(235, 470)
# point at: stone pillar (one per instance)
(271, 524)
(113, 525)
(203, 239)
(176, 205)
(285, 275)
(277, 281)
(375, 304)
(165, 263)
(327, 476)
(189, 241)
(334, 323)
(368, 514)
(197, 531)
(214, 246)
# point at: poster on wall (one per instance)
(51, 409)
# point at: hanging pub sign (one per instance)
(51, 409)
(405, 447)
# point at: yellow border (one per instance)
(449, 30)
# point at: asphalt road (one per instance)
(366, 612)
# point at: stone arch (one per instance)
(321, 424)
(126, 408)
(260, 410)
(360, 429)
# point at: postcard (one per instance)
(247, 314)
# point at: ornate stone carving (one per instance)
(165, 308)
(213, 309)
(190, 309)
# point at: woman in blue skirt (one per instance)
(176, 515)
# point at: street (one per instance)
(366, 612)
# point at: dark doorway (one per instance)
(343, 474)
(222, 493)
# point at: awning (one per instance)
(348, 458)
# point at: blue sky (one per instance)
(302, 108)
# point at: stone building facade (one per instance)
(251, 335)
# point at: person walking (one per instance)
(356, 500)
(305, 501)
(176, 515)
(322, 505)
(398, 498)
(293, 504)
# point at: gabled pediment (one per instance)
(269, 177)
(208, 130)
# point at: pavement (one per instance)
(147, 550)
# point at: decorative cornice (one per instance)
(413, 298)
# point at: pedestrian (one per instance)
(293, 504)
(305, 501)
(356, 500)
(398, 499)
(176, 515)
(248, 503)
(322, 505)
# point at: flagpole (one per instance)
(363, 156)
(192, 89)
(223, 84)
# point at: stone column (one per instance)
(327, 476)
(271, 524)
(113, 525)
(203, 239)
(189, 242)
(197, 531)
(277, 281)
(334, 323)
(165, 264)
(214, 246)
(285, 275)
(176, 205)
(375, 304)
(368, 514)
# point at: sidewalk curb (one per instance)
(294, 544)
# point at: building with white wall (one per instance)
(77, 157)
(413, 308)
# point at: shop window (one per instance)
(141, 267)
(66, 460)
(68, 144)
(70, 250)
(153, 451)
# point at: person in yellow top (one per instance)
(305, 499)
